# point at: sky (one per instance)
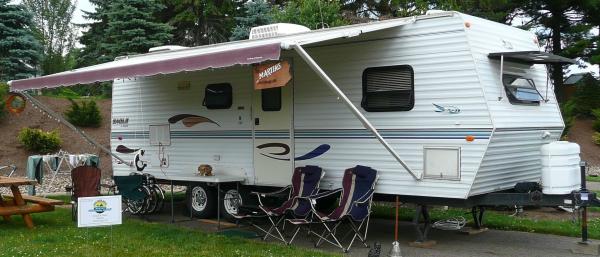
(85, 5)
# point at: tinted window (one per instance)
(388, 88)
(271, 99)
(521, 90)
(218, 96)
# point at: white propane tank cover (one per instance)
(560, 167)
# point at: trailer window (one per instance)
(521, 90)
(388, 88)
(218, 96)
(271, 99)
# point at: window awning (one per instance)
(198, 58)
(531, 57)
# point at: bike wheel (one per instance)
(160, 198)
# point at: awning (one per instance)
(152, 65)
(198, 58)
(532, 57)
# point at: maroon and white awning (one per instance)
(152, 65)
(199, 58)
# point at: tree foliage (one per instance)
(314, 14)
(256, 13)
(200, 22)
(133, 27)
(19, 49)
(53, 27)
(94, 35)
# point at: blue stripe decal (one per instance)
(320, 133)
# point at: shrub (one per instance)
(3, 92)
(596, 124)
(568, 112)
(587, 96)
(39, 141)
(596, 138)
(84, 114)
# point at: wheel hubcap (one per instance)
(199, 198)
(232, 201)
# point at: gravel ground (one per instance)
(593, 170)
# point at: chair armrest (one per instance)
(366, 198)
(260, 195)
(271, 193)
(322, 194)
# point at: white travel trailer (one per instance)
(444, 105)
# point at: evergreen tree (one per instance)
(200, 22)
(133, 28)
(19, 50)
(314, 14)
(94, 36)
(257, 13)
(560, 24)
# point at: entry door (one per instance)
(272, 110)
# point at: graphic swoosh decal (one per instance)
(285, 148)
(320, 150)
(190, 120)
(125, 149)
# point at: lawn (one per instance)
(501, 221)
(592, 179)
(56, 235)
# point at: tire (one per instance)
(231, 199)
(202, 201)
(160, 197)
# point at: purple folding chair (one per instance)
(358, 186)
(305, 183)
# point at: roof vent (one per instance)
(276, 30)
(165, 48)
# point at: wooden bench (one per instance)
(39, 204)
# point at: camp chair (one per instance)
(85, 182)
(358, 186)
(305, 182)
(130, 189)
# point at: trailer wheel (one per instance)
(231, 201)
(202, 200)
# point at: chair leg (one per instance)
(274, 226)
(330, 233)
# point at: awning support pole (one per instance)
(313, 65)
(71, 126)
(501, 77)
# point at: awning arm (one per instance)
(71, 126)
(313, 65)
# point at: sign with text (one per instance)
(271, 74)
(99, 211)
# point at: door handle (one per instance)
(256, 121)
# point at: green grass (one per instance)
(56, 235)
(501, 221)
(592, 179)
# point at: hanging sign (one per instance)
(272, 74)
(99, 211)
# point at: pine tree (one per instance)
(19, 50)
(200, 22)
(133, 28)
(257, 13)
(314, 14)
(94, 36)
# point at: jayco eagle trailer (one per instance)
(445, 106)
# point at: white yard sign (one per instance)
(99, 211)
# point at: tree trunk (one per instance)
(557, 71)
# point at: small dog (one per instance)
(205, 170)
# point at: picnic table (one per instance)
(17, 204)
